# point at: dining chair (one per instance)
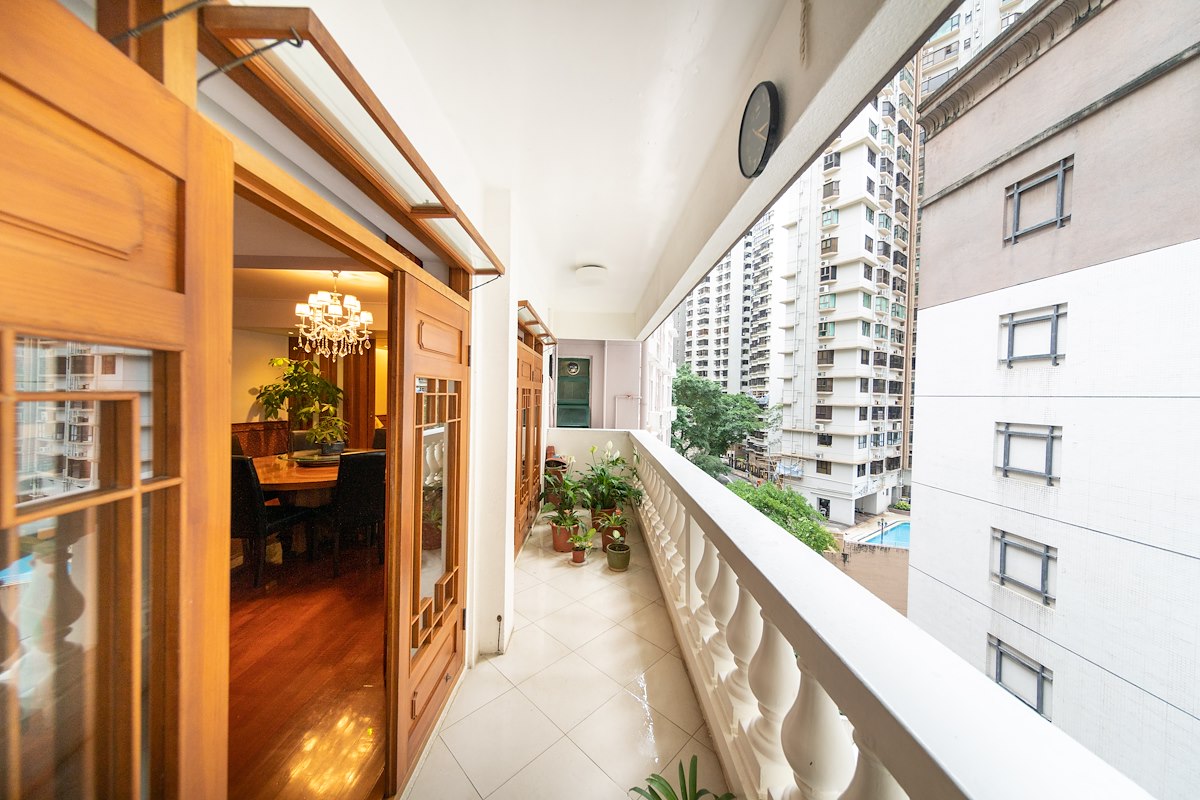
(300, 441)
(379, 440)
(253, 520)
(237, 446)
(358, 500)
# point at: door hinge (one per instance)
(464, 619)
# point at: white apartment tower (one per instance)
(713, 331)
(846, 296)
(1054, 505)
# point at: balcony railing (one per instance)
(784, 649)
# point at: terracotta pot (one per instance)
(578, 556)
(606, 536)
(618, 557)
(431, 536)
(561, 533)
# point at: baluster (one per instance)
(675, 551)
(744, 635)
(722, 601)
(665, 545)
(871, 780)
(703, 626)
(816, 744)
(774, 679)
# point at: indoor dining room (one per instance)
(309, 453)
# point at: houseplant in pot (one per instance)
(610, 482)
(610, 524)
(581, 543)
(563, 494)
(329, 433)
(617, 551)
(307, 394)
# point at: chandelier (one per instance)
(333, 325)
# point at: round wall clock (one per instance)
(760, 129)
(572, 367)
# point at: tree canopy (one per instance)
(790, 511)
(708, 421)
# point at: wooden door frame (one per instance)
(260, 181)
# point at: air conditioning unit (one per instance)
(824, 290)
(818, 427)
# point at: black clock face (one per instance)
(760, 129)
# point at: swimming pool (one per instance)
(893, 536)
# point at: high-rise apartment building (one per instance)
(1054, 542)
(713, 321)
(846, 296)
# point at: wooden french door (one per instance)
(529, 441)
(115, 246)
(427, 576)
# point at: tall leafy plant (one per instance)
(302, 388)
(609, 479)
(562, 494)
(659, 788)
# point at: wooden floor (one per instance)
(306, 697)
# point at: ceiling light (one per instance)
(332, 325)
(591, 274)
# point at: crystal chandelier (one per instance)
(333, 325)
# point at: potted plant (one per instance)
(660, 789)
(611, 525)
(581, 543)
(306, 392)
(329, 433)
(617, 551)
(431, 518)
(562, 494)
(609, 481)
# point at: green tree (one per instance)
(708, 421)
(790, 511)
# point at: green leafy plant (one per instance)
(302, 388)
(790, 511)
(901, 505)
(582, 540)
(562, 494)
(609, 480)
(659, 788)
(610, 520)
(328, 429)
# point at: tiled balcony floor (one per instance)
(589, 699)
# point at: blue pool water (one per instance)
(893, 536)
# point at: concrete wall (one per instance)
(1132, 173)
(882, 570)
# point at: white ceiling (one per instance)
(576, 132)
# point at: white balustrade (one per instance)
(813, 688)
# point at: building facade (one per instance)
(1056, 546)
(845, 315)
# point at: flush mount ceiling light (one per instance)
(591, 274)
(334, 326)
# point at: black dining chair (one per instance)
(358, 500)
(237, 446)
(300, 441)
(253, 520)
(379, 440)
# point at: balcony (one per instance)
(801, 677)
(829, 247)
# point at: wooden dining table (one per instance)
(309, 487)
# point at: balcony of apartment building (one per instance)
(727, 639)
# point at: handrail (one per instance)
(923, 718)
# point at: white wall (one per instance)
(1122, 637)
(616, 376)
(250, 370)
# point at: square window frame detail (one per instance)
(1014, 192)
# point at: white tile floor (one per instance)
(590, 698)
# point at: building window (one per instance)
(828, 273)
(824, 440)
(827, 301)
(1035, 334)
(935, 83)
(825, 329)
(869, 244)
(833, 160)
(830, 189)
(824, 467)
(966, 44)
(947, 26)
(825, 358)
(862, 415)
(885, 222)
(881, 305)
(1028, 450)
(877, 467)
(829, 246)
(860, 470)
(868, 271)
(870, 217)
(872, 128)
(898, 336)
(108, 365)
(864, 356)
(864, 384)
(1022, 676)
(877, 413)
(870, 187)
(861, 442)
(866, 327)
(824, 385)
(829, 218)
(866, 300)
(881, 331)
(870, 156)
(880, 359)
(824, 413)
(1009, 19)
(1039, 201)
(1027, 567)
(878, 385)
(898, 311)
